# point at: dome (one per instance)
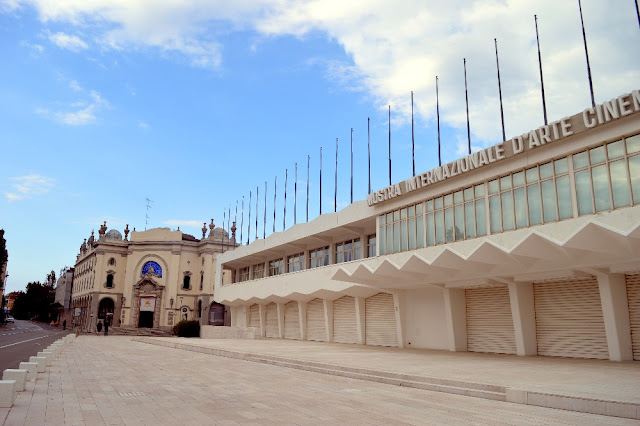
(220, 233)
(114, 234)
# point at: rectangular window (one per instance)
(296, 262)
(371, 246)
(348, 251)
(258, 271)
(244, 274)
(319, 257)
(276, 267)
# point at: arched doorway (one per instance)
(216, 314)
(105, 310)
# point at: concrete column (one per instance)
(328, 318)
(263, 324)
(302, 317)
(455, 307)
(247, 315)
(398, 307)
(615, 310)
(280, 307)
(524, 317)
(360, 319)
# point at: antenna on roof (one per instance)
(146, 216)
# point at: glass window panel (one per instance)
(418, 208)
(382, 220)
(549, 201)
(481, 218)
(493, 186)
(420, 231)
(403, 213)
(583, 192)
(601, 187)
(389, 218)
(633, 145)
(457, 197)
(634, 171)
(521, 207)
(448, 224)
(340, 254)
(438, 203)
(561, 165)
(459, 223)
(494, 213)
(396, 215)
(535, 214)
(396, 237)
(563, 189)
(580, 160)
(381, 236)
(356, 250)
(430, 230)
(439, 220)
(505, 183)
(469, 220)
(546, 170)
(619, 183)
(532, 175)
(448, 200)
(404, 237)
(389, 239)
(507, 211)
(429, 205)
(468, 194)
(518, 179)
(615, 149)
(479, 190)
(597, 155)
(412, 234)
(411, 211)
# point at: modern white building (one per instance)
(529, 247)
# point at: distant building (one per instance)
(154, 280)
(64, 287)
(527, 247)
(10, 300)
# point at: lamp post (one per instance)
(4, 285)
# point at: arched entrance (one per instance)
(147, 298)
(105, 310)
(216, 314)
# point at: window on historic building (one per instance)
(276, 267)
(112, 262)
(296, 262)
(319, 257)
(186, 282)
(258, 271)
(348, 251)
(371, 246)
(201, 280)
(109, 281)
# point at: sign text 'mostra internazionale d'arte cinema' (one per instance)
(605, 112)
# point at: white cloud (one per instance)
(69, 42)
(83, 112)
(142, 125)
(73, 85)
(28, 186)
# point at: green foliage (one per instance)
(187, 328)
(36, 302)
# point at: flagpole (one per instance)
(413, 144)
(284, 217)
(504, 137)
(295, 195)
(352, 165)
(638, 12)
(264, 225)
(228, 226)
(438, 115)
(242, 220)
(369, 151)
(249, 221)
(586, 52)
(308, 164)
(320, 181)
(223, 219)
(257, 198)
(235, 220)
(389, 145)
(544, 104)
(275, 192)
(335, 190)
(466, 96)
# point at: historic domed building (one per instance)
(151, 280)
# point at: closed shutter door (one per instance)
(380, 320)
(569, 319)
(633, 295)
(489, 320)
(272, 321)
(291, 321)
(316, 329)
(344, 320)
(254, 316)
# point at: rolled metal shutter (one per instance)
(569, 319)
(316, 329)
(254, 316)
(344, 320)
(380, 320)
(291, 321)
(633, 296)
(271, 319)
(489, 320)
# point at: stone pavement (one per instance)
(117, 380)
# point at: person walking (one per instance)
(98, 327)
(64, 324)
(106, 327)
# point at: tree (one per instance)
(36, 302)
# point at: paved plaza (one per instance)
(116, 380)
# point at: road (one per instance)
(23, 339)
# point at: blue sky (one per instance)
(193, 104)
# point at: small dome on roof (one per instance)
(114, 234)
(220, 233)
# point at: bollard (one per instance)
(48, 357)
(7, 393)
(32, 369)
(40, 360)
(20, 376)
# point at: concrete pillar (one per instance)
(20, 376)
(263, 323)
(360, 319)
(615, 310)
(280, 307)
(31, 368)
(247, 315)
(399, 307)
(524, 318)
(455, 307)
(302, 317)
(328, 318)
